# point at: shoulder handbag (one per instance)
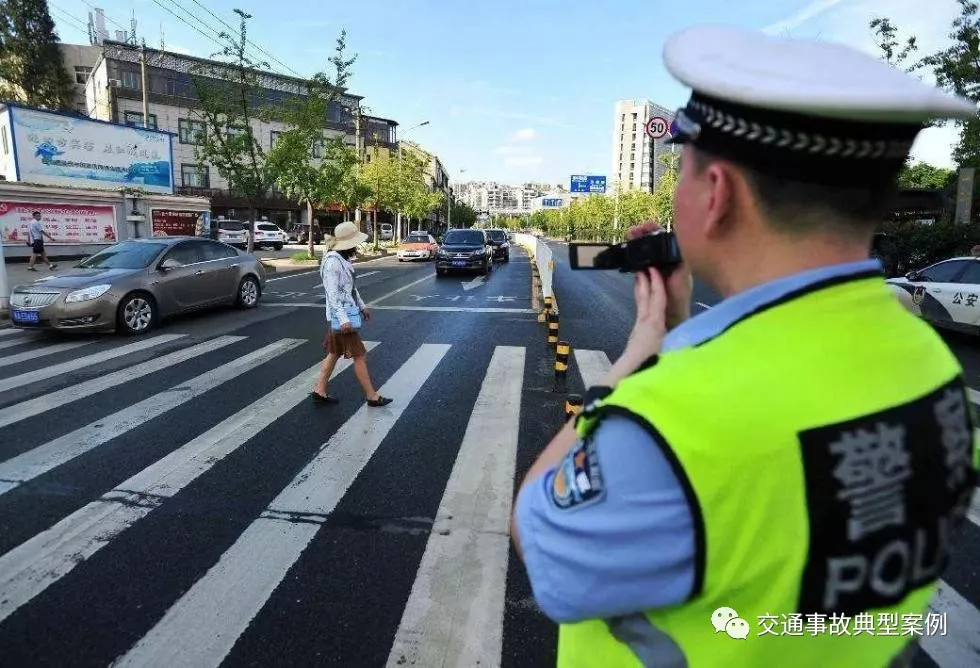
(353, 314)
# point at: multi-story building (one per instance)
(437, 178)
(636, 158)
(79, 60)
(114, 93)
(498, 198)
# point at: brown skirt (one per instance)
(348, 345)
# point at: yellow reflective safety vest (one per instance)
(825, 444)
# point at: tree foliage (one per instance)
(232, 103)
(956, 68)
(924, 175)
(306, 165)
(663, 193)
(32, 68)
(463, 215)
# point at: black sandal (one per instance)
(324, 399)
(380, 401)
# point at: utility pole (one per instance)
(449, 213)
(146, 94)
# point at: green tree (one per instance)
(380, 174)
(303, 163)
(463, 214)
(924, 175)
(893, 51)
(32, 69)
(663, 193)
(231, 100)
(956, 68)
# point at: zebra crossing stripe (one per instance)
(28, 355)
(959, 643)
(10, 331)
(57, 370)
(33, 463)
(592, 365)
(456, 607)
(202, 627)
(63, 397)
(36, 564)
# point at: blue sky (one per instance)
(514, 90)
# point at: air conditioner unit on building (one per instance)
(115, 83)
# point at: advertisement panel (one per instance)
(54, 149)
(180, 223)
(66, 223)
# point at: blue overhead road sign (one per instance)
(551, 202)
(588, 184)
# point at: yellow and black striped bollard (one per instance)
(573, 406)
(552, 328)
(561, 366)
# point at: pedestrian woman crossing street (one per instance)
(345, 313)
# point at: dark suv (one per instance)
(464, 249)
(500, 243)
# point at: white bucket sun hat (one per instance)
(345, 236)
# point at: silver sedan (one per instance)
(130, 286)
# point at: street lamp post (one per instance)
(398, 217)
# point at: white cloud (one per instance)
(524, 134)
(847, 23)
(179, 48)
(812, 10)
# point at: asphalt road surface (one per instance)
(178, 500)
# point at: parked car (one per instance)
(464, 250)
(417, 246)
(268, 234)
(300, 232)
(130, 286)
(500, 243)
(946, 294)
(233, 232)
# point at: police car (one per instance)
(947, 293)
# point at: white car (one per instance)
(947, 294)
(268, 234)
(233, 232)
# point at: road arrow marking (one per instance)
(475, 283)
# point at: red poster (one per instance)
(66, 223)
(174, 223)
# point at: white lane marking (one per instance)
(41, 352)
(427, 277)
(448, 309)
(292, 275)
(369, 273)
(456, 608)
(33, 463)
(702, 305)
(202, 627)
(973, 395)
(9, 331)
(36, 564)
(81, 362)
(592, 366)
(53, 400)
(960, 644)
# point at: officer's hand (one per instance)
(679, 285)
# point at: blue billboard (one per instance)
(551, 202)
(588, 184)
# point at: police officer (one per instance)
(776, 481)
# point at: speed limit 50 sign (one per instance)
(658, 127)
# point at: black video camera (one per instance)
(659, 250)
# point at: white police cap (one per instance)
(804, 109)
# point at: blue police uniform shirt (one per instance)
(631, 546)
